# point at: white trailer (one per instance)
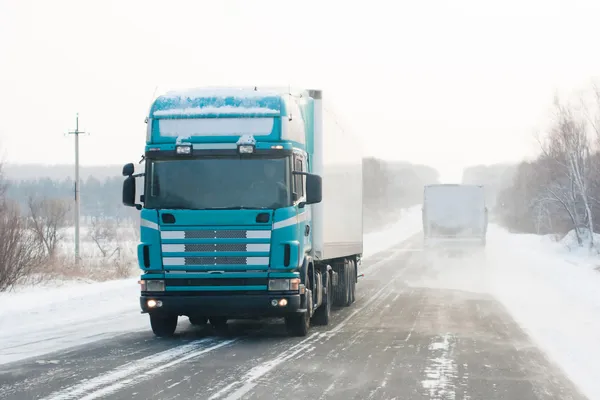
(454, 215)
(338, 218)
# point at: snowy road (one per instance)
(397, 341)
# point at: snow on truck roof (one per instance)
(219, 101)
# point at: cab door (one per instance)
(303, 213)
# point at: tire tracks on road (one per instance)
(137, 371)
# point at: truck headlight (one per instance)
(284, 284)
(153, 285)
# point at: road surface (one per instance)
(396, 342)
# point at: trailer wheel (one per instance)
(352, 281)
(341, 291)
(321, 316)
(348, 281)
(163, 325)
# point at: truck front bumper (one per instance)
(233, 306)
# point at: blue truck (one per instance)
(251, 207)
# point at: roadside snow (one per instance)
(40, 320)
(37, 321)
(554, 295)
(409, 223)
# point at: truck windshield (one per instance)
(218, 183)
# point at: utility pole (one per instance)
(76, 132)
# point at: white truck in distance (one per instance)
(454, 216)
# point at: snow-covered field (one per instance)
(113, 241)
(550, 291)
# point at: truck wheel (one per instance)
(297, 324)
(321, 316)
(353, 273)
(198, 320)
(163, 325)
(341, 292)
(348, 298)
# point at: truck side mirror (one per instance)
(128, 169)
(314, 189)
(129, 193)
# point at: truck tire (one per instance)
(341, 291)
(163, 325)
(352, 282)
(297, 324)
(321, 316)
(347, 283)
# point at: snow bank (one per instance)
(554, 295)
(37, 321)
(571, 246)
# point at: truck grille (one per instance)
(215, 247)
(214, 260)
(204, 249)
(217, 282)
(213, 234)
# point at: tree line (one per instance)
(390, 186)
(559, 190)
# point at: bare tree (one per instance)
(568, 150)
(48, 220)
(592, 113)
(560, 190)
(22, 252)
(103, 232)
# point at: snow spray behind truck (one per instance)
(251, 207)
(454, 216)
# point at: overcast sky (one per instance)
(445, 83)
